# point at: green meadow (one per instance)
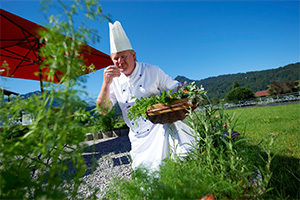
(222, 166)
(283, 122)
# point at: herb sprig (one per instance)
(190, 91)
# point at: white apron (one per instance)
(150, 143)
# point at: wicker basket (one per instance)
(168, 113)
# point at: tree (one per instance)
(278, 88)
(238, 94)
(235, 84)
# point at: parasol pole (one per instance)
(40, 70)
(41, 80)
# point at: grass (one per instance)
(284, 123)
(222, 167)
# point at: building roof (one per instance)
(7, 92)
(261, 93)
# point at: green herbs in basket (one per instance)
(190, 91)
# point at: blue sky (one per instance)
(196, 39)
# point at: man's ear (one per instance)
(134, 55)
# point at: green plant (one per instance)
(190, 91)
(105, 122)
(239, 94)
(120, 124)
(278, 88)
(220, 163)
(45, 161)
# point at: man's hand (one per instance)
(103, 103)
(109, 73)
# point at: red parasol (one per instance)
(19, 45)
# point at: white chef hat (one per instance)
(118, 38)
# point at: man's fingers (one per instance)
(111, 72)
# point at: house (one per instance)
(8, 93)
(261, 93)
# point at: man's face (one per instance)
(125, 61)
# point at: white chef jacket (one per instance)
(150, 143)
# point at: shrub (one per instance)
(278, 88)
(105, 122)
(239, 94)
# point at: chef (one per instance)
(127, 78)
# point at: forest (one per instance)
(218, 87)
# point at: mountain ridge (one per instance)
(219, 86)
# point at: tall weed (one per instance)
(43, 160)
(221, 162)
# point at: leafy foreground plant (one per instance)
(219, 164)
(43, 160)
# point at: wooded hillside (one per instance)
(218, 87)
